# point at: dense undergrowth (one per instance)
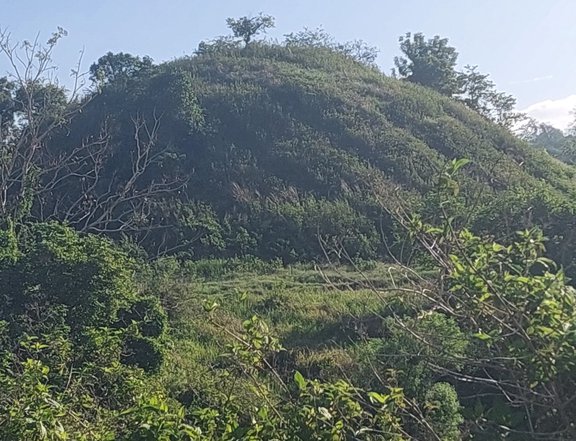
(478, 345)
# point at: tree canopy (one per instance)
(112, 68)
(247, 28)
(431, 63)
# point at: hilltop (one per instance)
(262, 148)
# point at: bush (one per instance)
(443, 412)
(148, 316)
(59, 283)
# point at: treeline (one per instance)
(557, 143)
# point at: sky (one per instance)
(527, 46)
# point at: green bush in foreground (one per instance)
(489, 356)
(57, 283)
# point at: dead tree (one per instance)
(42, 181)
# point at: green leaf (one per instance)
(300, 380)
(378, 398)
(482, 336)
(484, 297)
(457, 164)
(325, 413)
(209, 307)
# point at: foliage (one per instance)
(480, 94)
(248, 27)
(290, 150)
(520, 312)
(253, 156)
(543, 136)
(32, 107)
(101, 402)
(116, 68)
(440, 363)
(442, 408)
(58, 283)
(431, 63)
(319, 38)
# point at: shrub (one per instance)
(59, 283)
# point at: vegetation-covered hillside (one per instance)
(279, 242)
(261, 148)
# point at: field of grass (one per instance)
(326, 317)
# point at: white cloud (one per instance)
(557, 113)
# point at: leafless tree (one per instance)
(69, 184)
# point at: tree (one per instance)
(32, 107)
(431, 63)
(6, 106)
(54, 167)
(572, 127)
(248, 27)
(74, 329)
(541, 134)
(112, 67)
(480, 94)
(519, 312)
(549, 138)
(476, 89)
(58, 282)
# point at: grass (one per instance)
(322, 315)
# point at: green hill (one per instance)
(269, 146)
(272, 176)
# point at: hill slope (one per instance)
(278, 144)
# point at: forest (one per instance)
(276, 240)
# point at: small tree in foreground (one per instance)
(519, 313)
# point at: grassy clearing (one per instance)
(325, 317)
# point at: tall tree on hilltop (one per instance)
(248, 27)
(431, 63)
(112, 67)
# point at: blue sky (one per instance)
(528, 46)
